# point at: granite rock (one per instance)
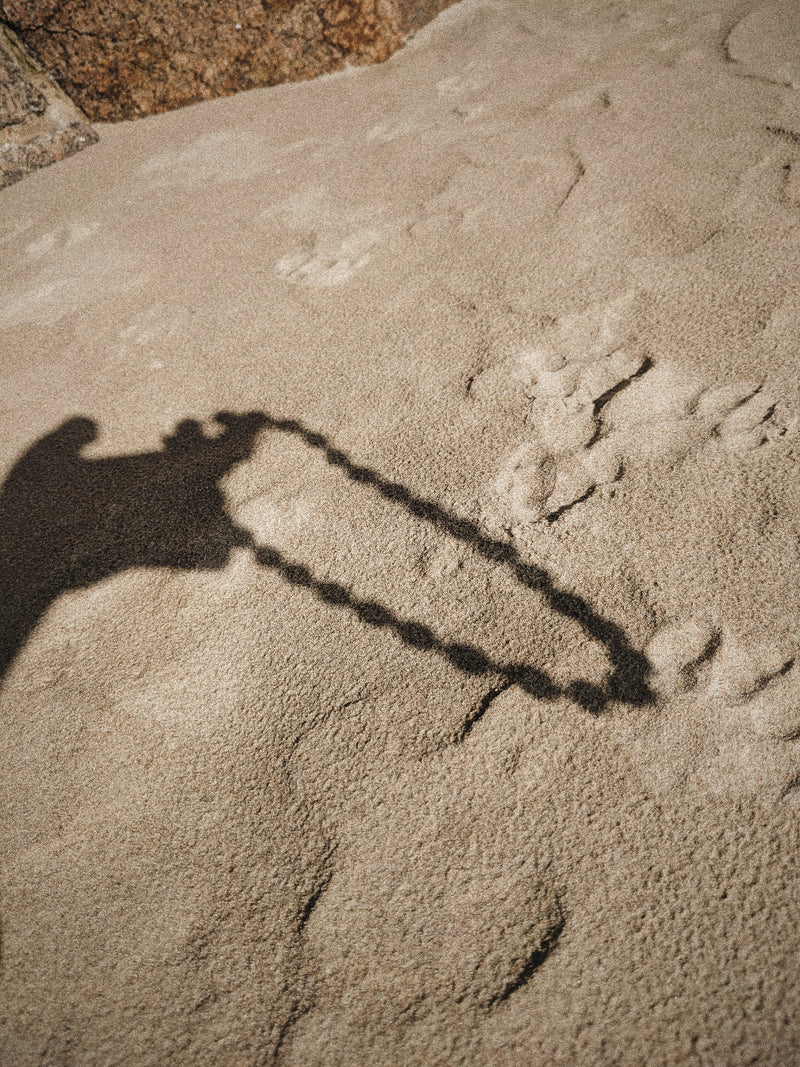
(120, 59)
(38, 124)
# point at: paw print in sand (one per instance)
(597, 403)
(329, 263)
(729, 710)
(740, 415)
(681, 655)
(582, 363)
(765, 680)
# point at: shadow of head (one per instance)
(76, 433)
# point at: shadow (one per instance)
(67, 522)
(630, 669)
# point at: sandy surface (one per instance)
(438, 702)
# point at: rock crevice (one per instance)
(38, 123)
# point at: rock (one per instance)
(120, 59)
(38, 124)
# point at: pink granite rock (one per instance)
(38, 124)
(119, 59)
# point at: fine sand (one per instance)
(399, 560)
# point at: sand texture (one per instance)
(399, 530)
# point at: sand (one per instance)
(400, 559)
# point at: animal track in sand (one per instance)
(764, 44)
(62, 237)
(786, 164)
(568, 379)
(791, 183)
(330, 237)
(460, 92)
(50, 279)
(681, 655)
(766, 681)
(461, 85)
(728, 705)
(159, 328)
(329, 263)
(597, 403)
(666, 416)
(215, 157)
(390, 131)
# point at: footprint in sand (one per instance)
(460, 92)
(681, 655)
(728, 707)
(462, 85)
(791, 183)
(448, 952)
(429, 926)
(329, 263)
(597, 402)
(740, 415)
(159, 327)
(765, 44)
(765, 680)
(666, 417)
(51, 279)
(62, 237)
(567, 379)
(390, 131)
